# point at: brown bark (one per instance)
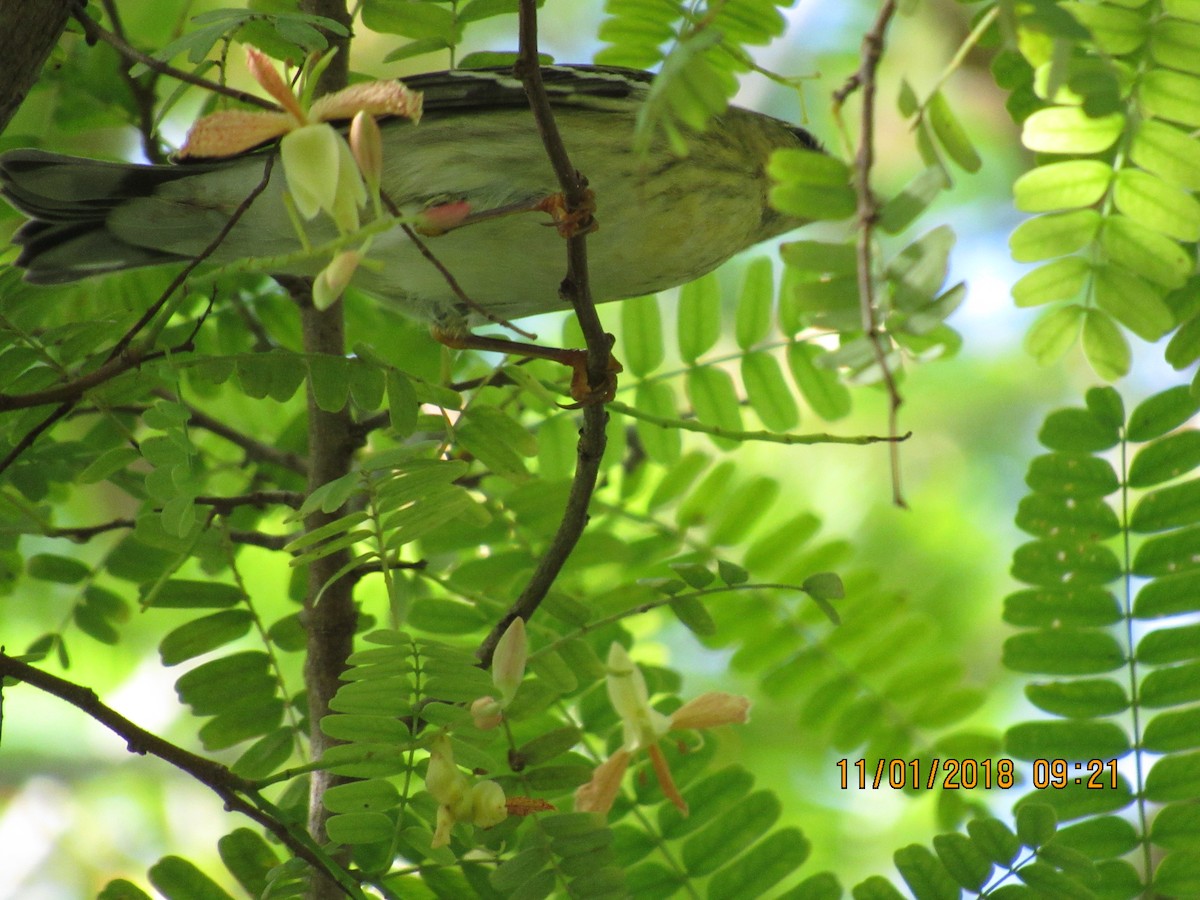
(28, 32)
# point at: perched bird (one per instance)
(664, 219)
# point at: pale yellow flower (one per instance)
(644, 726)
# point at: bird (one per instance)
(664, 217)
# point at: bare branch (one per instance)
(96, 32)
(576, 289)
(224, 783)
(868, 216)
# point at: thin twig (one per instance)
(142, 91)
(868, 216)
(576, 289)
(254, 449)
(94, 31)
(119, 348)
(224, 783)
(772, 437)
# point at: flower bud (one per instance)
(486, 713)
(334, 278)
(444, 780)
(488, 805)
(508, 662)
(366, 143)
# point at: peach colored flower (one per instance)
(644, 726)
(230, 132)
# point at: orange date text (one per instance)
(926, 774)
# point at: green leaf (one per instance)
(761, 867)
(1168, 596)
(994, 840)
(249, 858)
(713, 846)
(359, 828)
(1053, 334)
(925, 876)
(662, 444)
(902, 210)
(204, 634)
(1173, 686)
(179, 593)
(1077, 431)
(1174, 778)
(951, 133)
(694, 616)
(1169, 645)
(402, 403)
(265, 755)
(962, 858)
(1075, 740)
(1177, 826)
(1105, 346)
(1062, 185)
(1053, 562)
(178, 879)
(1068, 129)
(1052, 235)
(810, 185)
(1161, 413)
(1178, 875)
(707, 799)
(1168, 507)
(1035, 824)
(1170, 95)
(1171, 731)
(1167, 152)
(753, 321)
(1071, 475)
(369, 796)
(1136, 304)
(1080, 698)
(875, 888)
(715, 401)
(1154, 256)
(1062, 279)
(411, 19)
(120, 889)
(1168, 554)
(1064, 651)
(699, 317)
(1106, 837)
(1053, 606)
(1068, 517)
(1155, 203)
(56, 569)
(741, 512)
(768, 393)
(642, 346)
(821, 387)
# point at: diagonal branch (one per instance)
(224, 783)
(868, 215)
(576, 289)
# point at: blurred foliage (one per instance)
(158, 522)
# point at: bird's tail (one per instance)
(68, 200)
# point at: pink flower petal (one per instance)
(231, 132)
(379, 98)
(663, 773)
(710, 710)
(598, 794)
(272, 82)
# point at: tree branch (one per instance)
(868, 216)
(28, 34)
(576, 289)
(94, 31)
(224, 783)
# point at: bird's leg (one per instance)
(584, 393)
